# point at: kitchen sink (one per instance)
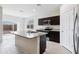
(32, 32)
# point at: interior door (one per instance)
(62, 32)
(69, 29)
(66, 28)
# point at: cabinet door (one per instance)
(54, 36)
(42, 43)
(15, 27)
(55, 20)
(44, 21)
(40, 21)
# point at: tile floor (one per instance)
(8, 46)
(55, 48)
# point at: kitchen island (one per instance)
(30, 42)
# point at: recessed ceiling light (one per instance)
(38, 4)
(34, 10)
(21, 11)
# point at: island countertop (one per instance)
(28, 35)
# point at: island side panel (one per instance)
(29, 46)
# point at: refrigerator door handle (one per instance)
(74, 36)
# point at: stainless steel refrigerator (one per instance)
(76, 33)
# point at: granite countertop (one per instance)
(56, 30)
(28, 35)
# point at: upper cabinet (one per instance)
(55, 20)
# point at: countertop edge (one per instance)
(12, 32)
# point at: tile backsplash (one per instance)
(51, 26)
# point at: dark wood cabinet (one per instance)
(42, 43)
(7, 27)
(40, 22)
(43, 21)
(54, 36)
(15, 27)
(55, 20)
(10, 27)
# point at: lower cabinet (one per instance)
(54, 36)
(42, 44)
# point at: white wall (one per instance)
(1, 24)
(8, 19)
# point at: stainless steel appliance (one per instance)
(76, 34)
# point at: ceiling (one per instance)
(27, 10)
